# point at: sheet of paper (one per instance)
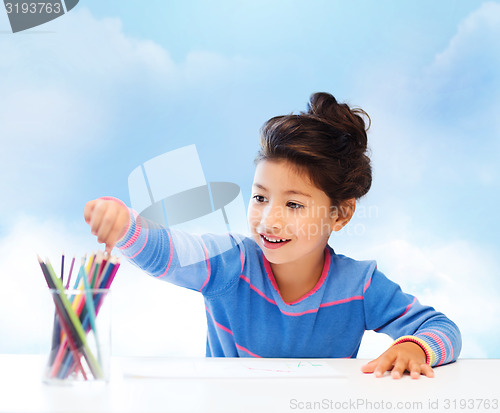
(229, 368)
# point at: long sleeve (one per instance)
(206, 263)
(389, 310)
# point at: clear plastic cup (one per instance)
(80, 349)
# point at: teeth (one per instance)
(274, 240)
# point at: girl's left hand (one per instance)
(398, 358)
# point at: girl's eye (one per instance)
(259, 198)
(294, 205)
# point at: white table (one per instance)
(473, 382)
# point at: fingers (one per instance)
(102, 223)
(417, 369)
(89, 208)
(386, 363)
(397, 360)
(107, 220)
(119, 226)
(96, 218)
(397, 368)
(380, 365)
(369, 367)
(427, 370)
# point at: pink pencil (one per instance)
(70, 272)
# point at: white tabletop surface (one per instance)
(173, 385)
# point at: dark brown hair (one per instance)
(328, 142)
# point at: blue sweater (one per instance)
(247, 316)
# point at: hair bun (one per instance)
(351, 122)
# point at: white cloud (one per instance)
(80, 49)
(462, 82)
(94, 57)
(204, 69)
(438, 122)
(455, 277)
(154, 318)
(398, 153)
(69, 93)
(471, 53)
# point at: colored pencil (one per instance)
(66, 323)
(84, 315)
(89, 302)
(62, 268)
(70, 272)
(75, 316)
(75, 321)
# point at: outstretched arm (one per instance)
(198, 262)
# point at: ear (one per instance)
(344, 214)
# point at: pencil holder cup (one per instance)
(80, 348)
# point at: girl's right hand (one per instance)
(108, 220)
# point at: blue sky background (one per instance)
(88, 97)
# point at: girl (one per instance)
(284, 292)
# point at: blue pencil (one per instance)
(67, 364)
(89, 305)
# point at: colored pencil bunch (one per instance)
(75, 316)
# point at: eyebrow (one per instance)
(290, 192)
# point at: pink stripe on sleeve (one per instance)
(137, 230)
(208, 266)
(133, 239)
(448, 340)
(409, 306)
(171, 255)
(242, 259)
(143, 245)
(440, 344)
(367, 285)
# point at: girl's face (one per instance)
(288, 216)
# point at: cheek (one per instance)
(253, 216)
(312, 228)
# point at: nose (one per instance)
(272, 217)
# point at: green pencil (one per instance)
(89, 302)
(94, 366)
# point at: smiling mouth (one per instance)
(274, 240)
